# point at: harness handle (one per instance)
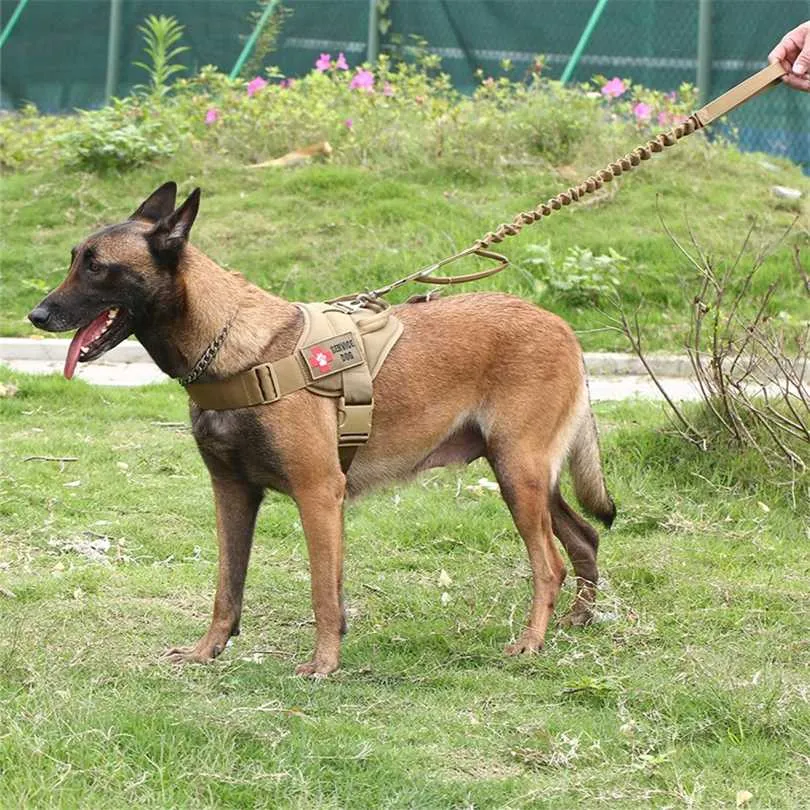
(426, 275)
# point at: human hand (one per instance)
(794, 54)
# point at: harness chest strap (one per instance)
(340, 351)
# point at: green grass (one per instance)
(693, 686)
(324, 230)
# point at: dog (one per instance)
(474, 375)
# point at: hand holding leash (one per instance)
(793, 53)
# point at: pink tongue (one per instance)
(85, 335)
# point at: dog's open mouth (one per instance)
(98, 337)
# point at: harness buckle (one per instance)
(354, 423)
(267, 381)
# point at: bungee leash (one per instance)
(717, 108)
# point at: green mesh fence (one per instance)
(57, 54)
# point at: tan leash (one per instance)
(722, 105)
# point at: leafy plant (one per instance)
(581, 277)
(160, 35)
(111, 138)
(267, 39)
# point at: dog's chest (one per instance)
(236, 444)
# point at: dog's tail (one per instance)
(586, 466)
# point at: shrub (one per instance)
(402, 113)
(581, 278)
(115, 137)
(750, 364)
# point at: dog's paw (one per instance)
(577, 618)
(528, 643)
(192, 655)
(316, 669)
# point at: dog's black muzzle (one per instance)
(58, 312)
(39, 316)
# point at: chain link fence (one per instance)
(57, 56)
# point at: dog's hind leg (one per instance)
(524, 485)
(320, 505)
(237, 504)
(581, 542)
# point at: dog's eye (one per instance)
(94, 268)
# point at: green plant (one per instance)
(581, 278)
(113, 138)
(266, 42)
(160, 34)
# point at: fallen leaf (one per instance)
(444, 579)
(743, 797)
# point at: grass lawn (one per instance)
(324, 230)
(693, 686)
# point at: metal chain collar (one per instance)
(207, 356)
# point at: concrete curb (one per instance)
(53, 350)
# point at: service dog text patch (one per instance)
(330, 356)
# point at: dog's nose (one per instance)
(39, 316)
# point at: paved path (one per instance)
(612, 375)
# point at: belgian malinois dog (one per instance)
(476, 375)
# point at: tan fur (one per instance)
(302, 155)
(472, 375)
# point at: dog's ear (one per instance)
(171, 232)
(159, 204)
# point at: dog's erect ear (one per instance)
(171, 232)
(159, 204)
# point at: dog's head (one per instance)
(121, 277)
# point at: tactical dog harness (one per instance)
(345, 342)
(342, 347)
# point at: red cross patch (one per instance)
(320, 359)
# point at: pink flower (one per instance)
(323, 63)
(286, 83)
(388, 90)
(349, 123)
(642, 111)
(341, 63)
(255, 85)
(212, 116)
(664, 118)
(614, 88)
(363, 80)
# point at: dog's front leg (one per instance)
(321, 509)
(237, 504)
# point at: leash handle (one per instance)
(730, 100)
(745, 90)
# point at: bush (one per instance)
(400, 113)
(581, 278)
(115, 137)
